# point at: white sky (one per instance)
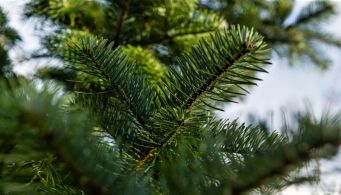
(283, 88)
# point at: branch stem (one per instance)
(120, 22)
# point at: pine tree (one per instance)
(142, 81)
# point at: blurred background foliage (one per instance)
(8, 37)
(163, 29)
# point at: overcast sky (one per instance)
(283, 88)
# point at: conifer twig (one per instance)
(189, 104)
(282, 169)
(210, 82)
(34, 120)
(117, 89)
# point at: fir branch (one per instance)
(313, 11)
(323, 37)
(220, 59)
(102, 65)
(308, 138)
(116, 88)
(214, 69)
(208, 86)
(282, 169)
(67, 134)
(43, 128)
(33, 119)
(314, 55)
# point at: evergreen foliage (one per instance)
(142, 81)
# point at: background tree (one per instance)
(294, 39)
(8, 37)
(136, 118)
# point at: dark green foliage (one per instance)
(217, 66)
(137, 114)
(36, 125)
(220, 156)
(4, 61)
